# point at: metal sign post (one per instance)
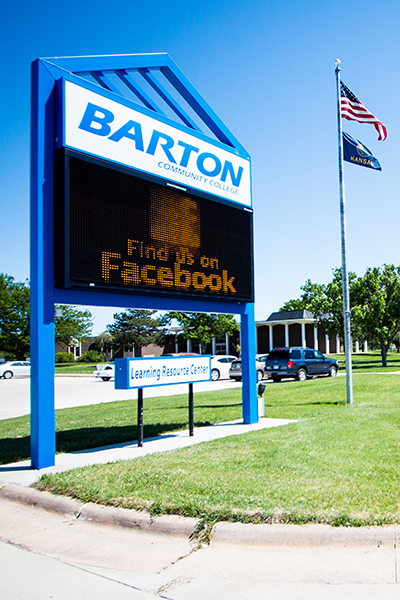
(140, 418)
(191, 410)
(348, 346)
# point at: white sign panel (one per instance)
(148, 372)
(107, 129)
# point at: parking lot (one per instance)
(82, 391)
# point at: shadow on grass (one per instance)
(72, 440)
(305, 404)
(197, 406)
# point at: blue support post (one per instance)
(249, 376)
(42, 270)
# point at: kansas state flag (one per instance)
(355, 152)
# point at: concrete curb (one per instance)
(172, 525)
(224, 533)
(45, 500)
(306, 535)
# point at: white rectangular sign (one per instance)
(107, 129)
(148, 372)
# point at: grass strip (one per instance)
(99, 425)
(338, 465)
(75, 368)
(370, 362)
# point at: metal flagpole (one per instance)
(345, 276)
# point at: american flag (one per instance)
(354, 110)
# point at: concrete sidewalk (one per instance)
(21, 472)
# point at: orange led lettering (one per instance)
(165, 276)
(184, 257)
(214, 263)
(144, 274)
(131, 247)
(106, 267)
(227, 283)
(149, 249)
(215, 282)
(130, 274)
(178, 277)
(199, 281)
(163, 254)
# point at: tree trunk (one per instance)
(384, 350)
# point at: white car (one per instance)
(220, 365)
(15, 368)
(105, 372)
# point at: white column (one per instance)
(327, 345)
(303, 335)
(357, 347)
(366, 346)
(226, 343)
(337, 344)
(271, 338)
(188, 345)
(286, 334)
(315, 338)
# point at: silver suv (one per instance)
(235, 372)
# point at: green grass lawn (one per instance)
(339, 464)
(77, 368)
(370, 363)
(115, 422)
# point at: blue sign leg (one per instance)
(42, 271)
(249, 377)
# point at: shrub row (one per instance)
(92, 356)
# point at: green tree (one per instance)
(72, 325)
(325, 301)
(201, 328)
(14, 317)
(138, 328)
(102, 343)
(376, 308)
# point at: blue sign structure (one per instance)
(148, 372)
(140, 198)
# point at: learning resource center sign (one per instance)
(148, 372)
(117, 132)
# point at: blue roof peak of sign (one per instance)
(156, 83)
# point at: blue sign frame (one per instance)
(134, 373)
(45, 75)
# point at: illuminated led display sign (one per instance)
(114, 130)
(118, 231)
(148, 372)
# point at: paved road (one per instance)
(82, 391)
(46, 554)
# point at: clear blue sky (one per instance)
(267, 69)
